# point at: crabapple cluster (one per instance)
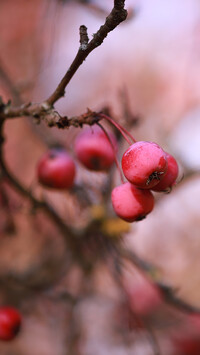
(147, 167)
(94, 149)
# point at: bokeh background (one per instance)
(149, 65)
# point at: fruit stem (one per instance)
(113, 148)
(122, 130)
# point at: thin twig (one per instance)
(117, 15)
(167, 292)
(122, 130)
(69, 235)
(44, 109)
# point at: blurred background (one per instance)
(148, 68)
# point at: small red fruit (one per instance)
(186, 340)
(170, 177)
(10, 323)
(94, 150)
(131, 203)
(56, 169)
(144, 298)
(144, 164)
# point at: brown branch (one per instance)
(45, 109)
(50, 116)
(35, 202)
(7, 111)
(88, 118)
(117, 15)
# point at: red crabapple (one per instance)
(131, 203)
(170, 177)
(10, 323)
(56, 169)
(94, 150)
(144, 164)
(144, 298)
(186, 340)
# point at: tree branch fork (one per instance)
(45, 110)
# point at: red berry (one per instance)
(131, 203)
(170, 177)
(144, 164)
(94, 150)
(56, 169)
(10, 322)
(186, 340)
(144, 298)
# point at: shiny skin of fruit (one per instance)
(170, 177)
(93, 149)
(130, 203)
(56, 169)
(10, 323)
(144, 164)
